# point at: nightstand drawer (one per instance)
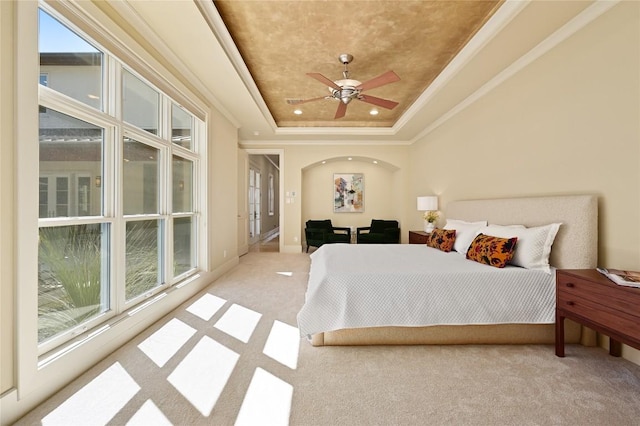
(602, 295)
(603, 314)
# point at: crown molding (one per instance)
(574, 25)
(504, 15)
(219, 30)
(321, 142)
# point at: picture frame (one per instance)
(348, 192)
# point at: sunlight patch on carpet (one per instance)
(206, 306)
(203, 373)
(165, 342)
(98, 401)
(283, 344)
(267, 402)
(149, 414)
(238, 322)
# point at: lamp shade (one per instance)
(428, 203)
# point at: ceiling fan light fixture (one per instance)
(347, 89)
(348, 83)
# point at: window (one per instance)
(140, 103)
(118, 207)
(181, 126)
(71, 156)
(143, 257)
(68, 64)
(73, 276)
(183, 215)
(141, 165)
(182, 185)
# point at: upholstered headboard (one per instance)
(576, 244)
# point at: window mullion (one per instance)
(165, 118)
(165, 210)
(116, 210)
(113, 188)
(113, 89)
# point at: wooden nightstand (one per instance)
(418, 237)
(590, 298)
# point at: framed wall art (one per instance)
(348, 193)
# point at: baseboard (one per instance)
(292, 249)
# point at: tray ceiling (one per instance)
(281, 41)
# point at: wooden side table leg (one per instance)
(615, 348)
(559, 335)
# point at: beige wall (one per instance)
(317, 195)
(568, 123)
(222, 198)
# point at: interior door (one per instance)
(254, 205)
(243, 202)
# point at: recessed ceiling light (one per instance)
(256, 133)
(375, 161)
(324, 162)
(349, 158)
(297, 111)
(373, 112)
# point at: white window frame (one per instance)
(34, 358)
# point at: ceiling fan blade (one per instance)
(384, 103)
(303, 101)
(324, 80)
(381, 80)
(341, 111)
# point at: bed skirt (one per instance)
(499, 334)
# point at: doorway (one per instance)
(255, 204)
(262, 189)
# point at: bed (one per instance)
(368, 303)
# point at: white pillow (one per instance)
(533, 247)
(465, 233)
(503, 229)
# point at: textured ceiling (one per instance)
(281, 41)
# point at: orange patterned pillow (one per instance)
(491, 250)
(442, 239)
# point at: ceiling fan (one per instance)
(346, 90)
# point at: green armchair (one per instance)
(319, 232)
(380, 232)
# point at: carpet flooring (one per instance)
(231, 355)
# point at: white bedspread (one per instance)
(374, 285)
